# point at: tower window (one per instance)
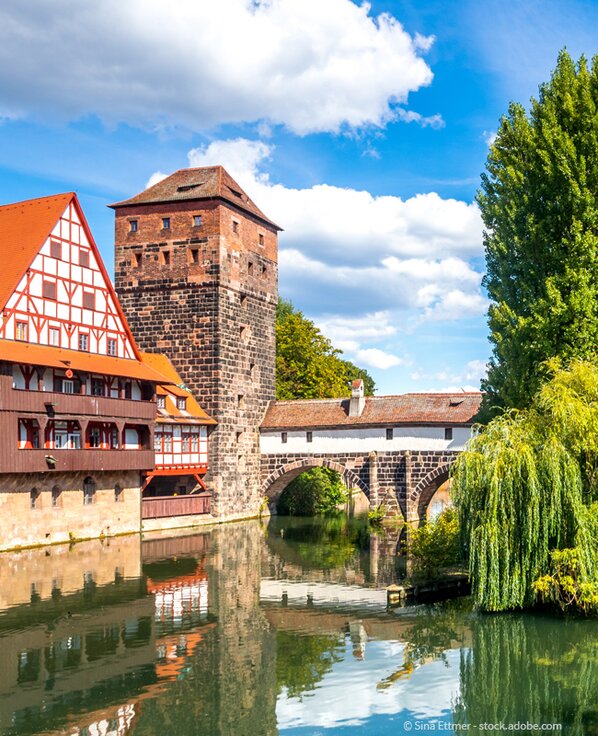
(165, 257)
(119, 495)
(241, 401)
(264, 272)
(35, 498)
(250, 268)
(197, 221)
(133, 226)
(448, 433)
(56, 249)
(89, 491)
(194, 256)
(243, 299)
(136, 262)
(166, 223)
(235, 227)
(389, 433)
(56, 497)
(260, 239)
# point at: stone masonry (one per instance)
(204, 291)
(404, 482)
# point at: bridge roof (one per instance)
(407, 409)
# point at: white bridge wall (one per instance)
(344, 440)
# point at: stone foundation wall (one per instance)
(25, 526)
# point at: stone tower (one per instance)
(196, 272)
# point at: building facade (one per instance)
(196, 273)
(77, 403)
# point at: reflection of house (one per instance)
(76, 401)
(175, 487)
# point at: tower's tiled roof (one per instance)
(209, 182)
(24, 227)
(405, 409)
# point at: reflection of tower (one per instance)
(358, 638)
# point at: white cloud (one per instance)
(490, 137)
(155, 178)
(376, 358)
(339, 328)
(446, 380)
(309, 65)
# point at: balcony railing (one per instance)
(31, 461)
(164, 506)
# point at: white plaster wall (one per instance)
(363, 440)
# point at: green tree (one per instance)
(539, 204)
(307, 364)
(316, 491)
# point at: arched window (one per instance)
(35, 498)
(56, 497)
(89, 490)
(118, 494)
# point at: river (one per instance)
(256, 630)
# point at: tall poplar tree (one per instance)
(539, 203)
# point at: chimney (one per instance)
(357, 403)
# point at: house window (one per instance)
(181, 403)
(165, 254)
(448, 433)
(83, 258)
(89, 491)
(157, 442)
(309, 436)
(84, 341)
(21, 331)
(35, 498)
(167, 443)
(56, 249)
(56, 497)
(68, 386)
(95, 437)
(260, 239)
(89, 300)
(97, 387)
(235, 226)
(197, 221)
(389, 433)
(161, 402)
(166, 223)
(111, 346)
(54, 336)
(114, 439)
(128, 390)
(194, 256)
(283, 437)
(49, 290)
(119, 495)
(133, 226)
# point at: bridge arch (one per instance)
(424, 491)
(279, 479)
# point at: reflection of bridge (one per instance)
(397, 450)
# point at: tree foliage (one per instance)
(307, 364)
(524, 488)
(539, 204)
(316, 491)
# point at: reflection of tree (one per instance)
(303, 660)
(532, 670)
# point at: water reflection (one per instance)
(283, 630)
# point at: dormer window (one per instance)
(133, 226)
(166, 223)
(161, 402)
(181, 403)
(197, 221)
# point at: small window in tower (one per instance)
(239, 435)
(89, 300)
(56, 249)
(197, 221)
(49, 290)
(89, 491)
(54, 336)
(56, 497)
(133, 226)
(448, 433)
(309, 436)
(21, 331)
(389, 433)
(260, 239)
(119, 494)
(136, 262)
(165, 254)
(241, 401)
(181, 403)
(83, 258)
(166, 223)
(112, 346)
(161, 402)
(35, 498)
(194, 256)
(250, 268)
(236, 227)
(284, 437)
(243, 299)
(264, 272)
(83, 341)
(253, 370)
(244, 333)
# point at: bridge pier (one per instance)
(374, 485)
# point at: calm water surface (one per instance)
(251, 631)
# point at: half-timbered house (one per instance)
(77, 403)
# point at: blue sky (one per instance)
(362, 130)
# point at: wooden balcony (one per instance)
(164, 506)
(88, 460)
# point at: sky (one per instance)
(361, 129)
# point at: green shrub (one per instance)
(436, 545)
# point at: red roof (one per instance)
(209, 182)
(406, 409)
(24, 227)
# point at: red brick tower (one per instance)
(196, 273)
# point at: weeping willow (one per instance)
(523, 488)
